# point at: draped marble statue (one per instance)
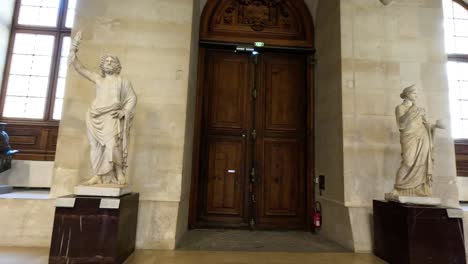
(109, 118)
(414, 177)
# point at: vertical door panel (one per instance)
(226, 119)
(280, 146)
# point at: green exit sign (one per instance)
(259, 44)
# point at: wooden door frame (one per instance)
(213, 37)
(195, 203)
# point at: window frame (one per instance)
(36, 138)
(462, 3)
(59, 32)
(461, 144)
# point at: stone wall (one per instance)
(26, 222)
(366, 53)
(183, 215)
(153, 39)
(329, 125)
(462, 183)
(28, 173)
(384, 49)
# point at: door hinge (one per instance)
(252, 175)
(254, 200)
(254, 94)
(254, 134)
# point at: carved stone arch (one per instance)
(274, 22)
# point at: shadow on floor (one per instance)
(258, 241)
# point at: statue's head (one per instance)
(110, 65)
(409, 93)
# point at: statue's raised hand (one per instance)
(74, 47)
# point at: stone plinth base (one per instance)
(94, 229)
(412, 199)
(106, 190)
(416, 234)
(5, 189)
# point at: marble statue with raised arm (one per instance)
(414, 177)
(108, 119)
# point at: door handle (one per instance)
(244, 135)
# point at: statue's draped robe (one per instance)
(414, 177)
(108, 136)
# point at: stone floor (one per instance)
(40, 256)
(257, 241)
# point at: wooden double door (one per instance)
(252, 170)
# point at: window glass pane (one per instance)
(63, 67)
(456, 28)
(32, 54)
(39, 12)
(463, 88)
(458, 85)
(21, 64)
(463, 108)
(65, 46)
(58, 109)
(30, 65)
(464, 128)
(461, 44)
(461, 27)
(33, 44)
(28, 79)
(24, 107)
(70, 13)
(14, 106)
(70, 18)
(448, 8)
(20, 84)
(34, 107)
(39, 3)
(27, 85)
(60, 91)
(41, 65)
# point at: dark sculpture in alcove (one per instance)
(6, 153)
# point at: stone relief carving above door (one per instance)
(258, 14)
(271, 21)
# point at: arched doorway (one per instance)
(253, 152)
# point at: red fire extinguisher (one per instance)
(317, 217)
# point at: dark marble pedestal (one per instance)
(94, 229)
(415, 234)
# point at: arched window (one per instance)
(456, 45)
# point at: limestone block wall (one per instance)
(462, 183)
(329, 124)
(385, 49)
(26, 222)
(183, 214)
(153, 39)
(28, 173)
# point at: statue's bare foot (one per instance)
(121, 180)
(93, 180)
